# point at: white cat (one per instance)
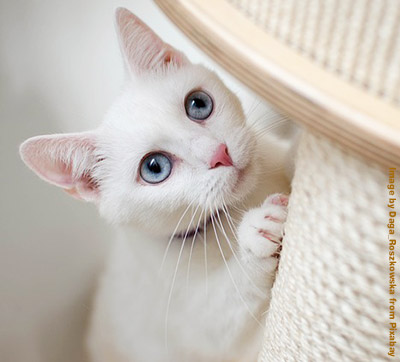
(170, 165)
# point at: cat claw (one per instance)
(262, 229)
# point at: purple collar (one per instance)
(192, 232)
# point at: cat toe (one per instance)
(262, 229)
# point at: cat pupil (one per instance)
(198, 103)
(154, 166)
(198, 106)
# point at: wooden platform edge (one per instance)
(305, 92)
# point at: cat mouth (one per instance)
(196, 230)
(241, 178)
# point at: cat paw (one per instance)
(261, 229)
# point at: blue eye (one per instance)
(198, 105)
(155, 168)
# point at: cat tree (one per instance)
(334, 67)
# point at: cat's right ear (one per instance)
(142, 49)
(65, 160)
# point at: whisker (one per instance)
(172, 236)
(232, 227)
(230, 220)
(267, 114)
(268, 119)
(191, 250)
(174, 278)
(221, 227)
(263, 131)
(237, 208)
(205, 250)
(231, 223)
(250, 111)
(230, 273)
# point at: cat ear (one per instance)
(142, 49)
(65, 160)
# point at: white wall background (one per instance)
(60, 69)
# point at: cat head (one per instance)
(174, 139)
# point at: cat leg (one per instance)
(239, 293)
(260, 236)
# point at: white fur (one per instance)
(164, 298)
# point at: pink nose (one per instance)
(221, 157)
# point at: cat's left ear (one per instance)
(65, 160)
(142, 49)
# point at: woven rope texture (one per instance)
(330, 300)
(358, 40)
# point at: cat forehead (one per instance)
(165, 86)
(158, 99)
(180, 81)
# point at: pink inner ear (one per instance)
(56, 173)
(64, 161)
(172, 56)
(142, 48)
(85, 189)
(62, 180)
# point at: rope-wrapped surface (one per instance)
(356, 40)
(330, 301)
